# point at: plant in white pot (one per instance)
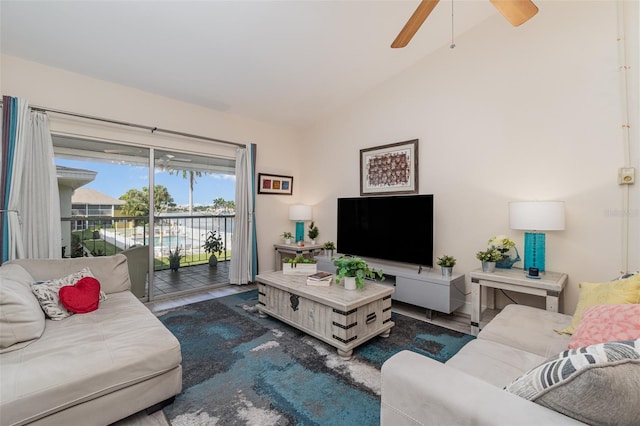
(447, 263)
(313, 232)
(213, 244)
(489, 257)
(288, 236)
(354, 271)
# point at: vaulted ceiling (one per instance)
(286, 62)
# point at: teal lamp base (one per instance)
(534, 250)
(299, 231)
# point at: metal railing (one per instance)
(106, 235)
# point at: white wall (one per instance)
(510, 114)
(278, 149)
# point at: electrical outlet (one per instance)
(626, 175)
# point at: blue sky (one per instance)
(115, 179)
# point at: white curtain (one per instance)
(242, 269)
(33, 190)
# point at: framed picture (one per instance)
(389, 169)
(275, 184)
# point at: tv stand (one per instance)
(415, 285)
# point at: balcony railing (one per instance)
(106, 235)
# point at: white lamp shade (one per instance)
(299, 212)
(536, 215)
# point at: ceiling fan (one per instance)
(517, 12)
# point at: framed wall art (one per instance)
(389, 169)
(275, 184)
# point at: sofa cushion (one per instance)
(85, 357)
(493, 362)
(614, 292)
(47, 293)
(606, 323)
(596, 384)
(21, 319)
(81, 298)
(529, 329)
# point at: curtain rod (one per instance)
(138, 126)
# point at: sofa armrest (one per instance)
(417, 390)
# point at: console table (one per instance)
(342, 318)
(296, 250)
(549, 285)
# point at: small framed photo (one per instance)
(389, 169)
(275, 184)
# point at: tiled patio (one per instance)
(190, 279)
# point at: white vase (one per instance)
(350, 283)
(488, 266)
(287, 240)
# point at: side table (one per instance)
(550, 285)
(296, 250)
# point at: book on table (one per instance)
(320, 279)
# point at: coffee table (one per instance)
(342, 318)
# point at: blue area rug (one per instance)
(240, 369)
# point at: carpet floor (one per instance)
(240, 369)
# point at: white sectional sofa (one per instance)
(469, 388)
(89, 369)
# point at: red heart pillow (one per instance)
(82, 297)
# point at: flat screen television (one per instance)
(396, 228)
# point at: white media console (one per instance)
(421, 287)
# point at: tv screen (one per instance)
(396, 228)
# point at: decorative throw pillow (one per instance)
(47, 293)
(614, 292)
(21, 319)
(596, 384)
(607, 323)
(81, 298)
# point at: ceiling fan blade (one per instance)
(517, 12)
(414, 23)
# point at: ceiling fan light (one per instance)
(517, 12)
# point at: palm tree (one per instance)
(192, 180)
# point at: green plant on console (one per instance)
(329, 245)
(313, 231)
(299, 259)
(489, 255)
(355, 267)
(446, 261)
(287, 235)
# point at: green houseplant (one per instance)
(313, 232)
(354, 267)
(489, 257)
(174, 259)
(299, 265)
(504, 245)
(329, 247)
(213, 244)
(447, 263)
(288, 236)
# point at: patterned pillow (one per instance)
(596, 384)
(606, 323)
(47, 293)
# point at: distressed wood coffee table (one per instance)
(342, 318)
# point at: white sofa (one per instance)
(93, 368)
(469, 388)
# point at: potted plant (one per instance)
(313, 232)
(288, 236)
(299, 265)
(488, 257)
(213, 244)
(447, 263)
(504, 245)
(329, 247)
(354, 270)
(174, 259)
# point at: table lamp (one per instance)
(299, 213)
(536, 216)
